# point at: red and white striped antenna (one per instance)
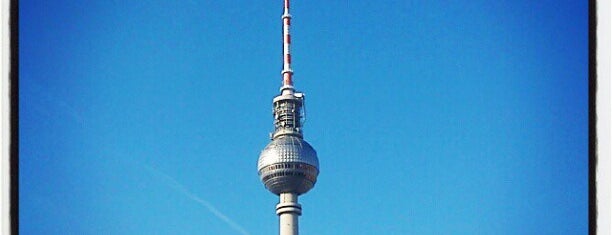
(287, 72)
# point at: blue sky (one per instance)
(429, 117)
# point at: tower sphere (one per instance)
(288, 164)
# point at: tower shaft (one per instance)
(288, 211)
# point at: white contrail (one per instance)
(175, 184)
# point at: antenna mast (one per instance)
(287, 71)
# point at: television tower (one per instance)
(288, 166)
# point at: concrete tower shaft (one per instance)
(288, 211)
